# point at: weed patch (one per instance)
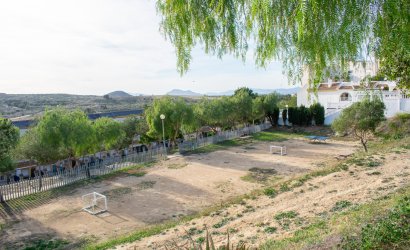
(341, 205)
(46, 244)
(271, 192)
(387, 232)
(117, 192)
(286, 215)
(222, 223)
(145, 185)
(270, 230)
(259, 175)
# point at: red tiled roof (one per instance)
(346, 87)
(326, 86)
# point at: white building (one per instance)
(335, 96)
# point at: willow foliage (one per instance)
(313, 35)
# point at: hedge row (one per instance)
(304, 116)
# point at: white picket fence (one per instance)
(50, 180)
(59, 178)
(221, 136)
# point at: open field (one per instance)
(236, 187)
(171, 189)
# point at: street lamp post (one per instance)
(162, 116)
(287, 114)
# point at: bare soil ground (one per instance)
(184, 185)
(257, 220)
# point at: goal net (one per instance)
(94, 203)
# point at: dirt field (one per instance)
(184, 185)
(257, 220)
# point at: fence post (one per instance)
(88, 173)
(1, 195)
(40, 181)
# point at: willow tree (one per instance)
(179, 118)
(108, 133)
(307, 35)
(69, 132)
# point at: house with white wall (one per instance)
(334, 96)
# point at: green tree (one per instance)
(290, 100)
(307, 35)
(31, 147)
(242, 101)
(393, 32)
(108, 133)
(129, 126)
(179, 117)
(246, 90)
(258, 112)
(361, 119)
(270, 106)
(69, 132)
(9, 137)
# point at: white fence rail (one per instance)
(221, 136)
(53, 179)
(50, 180)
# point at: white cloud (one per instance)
(96, 46)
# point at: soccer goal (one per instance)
(94, 203)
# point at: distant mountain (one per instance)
(225, 93)
(290, 91)
(179, 92)
(136, 94)
(282, 91)
(118, 94)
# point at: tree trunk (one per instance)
(364, 145)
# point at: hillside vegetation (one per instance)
(30, 104)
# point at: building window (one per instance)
(345, 97)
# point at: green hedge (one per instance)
(303, 116)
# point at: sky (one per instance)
(98, 46)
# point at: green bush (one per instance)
(276, 115)
(284, 116)
(303, 116)
(318, 113)
(396, 127)
(270, 192)
(389, 232)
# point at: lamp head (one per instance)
(162, 116)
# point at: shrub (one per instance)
(270, 192)
(286, 215)
(389, 232)
(276, 115)
(270, 230)
(318, 113)
(341, 205)
(396, 127)
(293, 115)
(303, 116)
(284, 116)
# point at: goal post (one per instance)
(94, 203)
